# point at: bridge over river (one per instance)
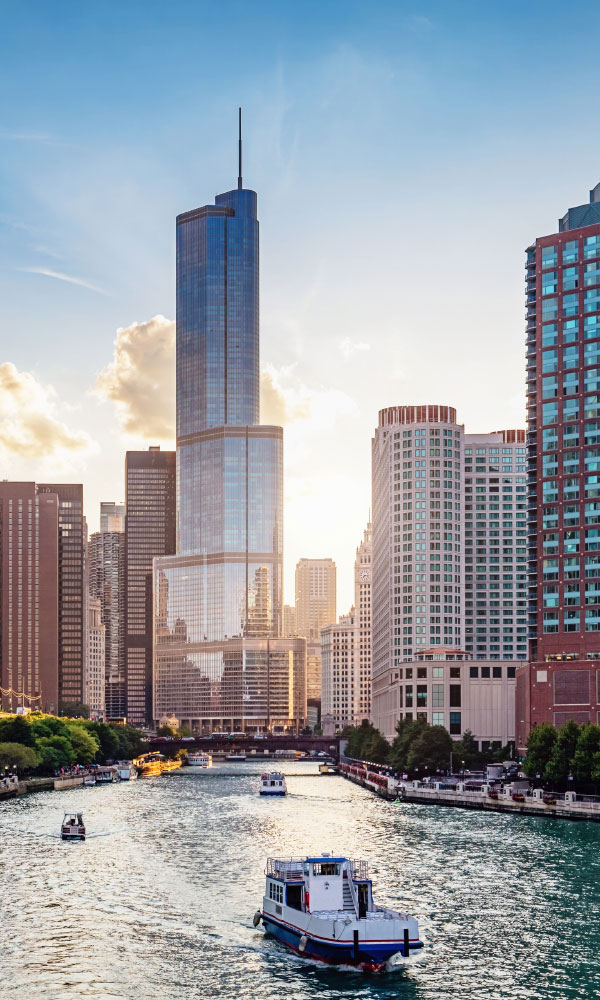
(271, 744)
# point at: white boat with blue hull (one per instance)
(323, 908)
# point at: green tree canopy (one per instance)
(586, 752)
(560, 761)
(15, 755)
(17, 729)
(539, 749)
(74, 710)
(407, 731)
(166, 731)
(85, 745)
(55, 752)
(431, 749)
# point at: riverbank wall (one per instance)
(567, 806)
(14, 788)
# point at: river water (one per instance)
(158, 901)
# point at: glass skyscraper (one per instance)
(225, 582)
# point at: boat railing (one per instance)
(289, 869)
(359, 869)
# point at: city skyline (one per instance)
(86, 239)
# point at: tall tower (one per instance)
(563, 405)
(315, 596)
(225, 582)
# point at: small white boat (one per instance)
(106, 775)
(72, 827)
(89, 781)
(323, 908)
(236, 756)
(273, 783)
(126, 772)
(198, 760)
(326, 768)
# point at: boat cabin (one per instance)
(321, 884)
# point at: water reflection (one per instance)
(159, 903)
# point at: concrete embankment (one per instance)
(565, 807)
(10, 791)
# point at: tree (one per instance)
(16, 729)
(588, 747)
(431, 749)
(15, 755)
(184, 731)
(166, 731)
(560, 760)
(377, 748)
(540, 745)
(466, 750)
(54, 752)
(48, 725)
(85, 745)
(108, 739)
(407, 731)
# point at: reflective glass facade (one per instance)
(225, 582)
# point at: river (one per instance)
(158, 901)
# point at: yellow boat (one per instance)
(152, 764)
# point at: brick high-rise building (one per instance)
(72, 596)
(562, 681)
(149, 532)
(29, 588)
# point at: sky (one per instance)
(404, 155)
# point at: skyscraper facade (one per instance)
(72, 591)
(29, 598)
(94, 689)
(106, 582)
(562, 681)
(315, 596)
(149, 532)
(112, 516)
(225, 582)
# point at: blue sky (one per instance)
(404, 156)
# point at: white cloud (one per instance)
(349, 347)
(64, 277)
(140, 380)
(29, 425)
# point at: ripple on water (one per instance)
(159, 903)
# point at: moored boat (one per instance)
(323, 908)
(235, 756)
(89, 781)
(326, 768)
(72, 827)
(273, 783)
(106, 775)
(198, 760)
(126, 772)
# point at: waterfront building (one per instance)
(106, 581)
(495, 539)
(72, 591)
(449, 534)
(445, 687)
(29, 598)
(289, 621)
(218, 601)
(94, 674)
(315, 596)
(362, 633)
(149, 532)
(112, 516)
(562, 679)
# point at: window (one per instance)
(455, 726)
(437, 719)
(485, 672)
(276, 891)
(454, 672)
(455, 695)
(437, 696)
(549, 335)
(473, 671)
(421, 696)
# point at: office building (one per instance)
(112, 516)
(221, 596)
(72, 591)
(289, 620)
(149, 532)
(93, 681)
(315, 596)
(346, 649)
(29, 598)
(449, 578)
(562, 680)
(495, 506)
(106, 582)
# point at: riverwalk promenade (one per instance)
(484, 797)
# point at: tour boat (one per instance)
(72, 827)
(199, 760)
(236, 756)
(126, 772)
(323, 908)
(105, 775)
(273, 783)
(326, 768)
(89, 781)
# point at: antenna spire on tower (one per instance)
(240, 149)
